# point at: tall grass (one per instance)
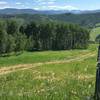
(70, 81)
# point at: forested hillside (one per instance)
(87, 19)
(16, 36)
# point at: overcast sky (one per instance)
(51, 4)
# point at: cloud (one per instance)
(53, 5)
(66, 7)
(51, 2)
(36, 8)
(46, 1)
(38, 5)
(18, 3)
(3, 2)
(56, 7)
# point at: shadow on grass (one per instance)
(11, 54)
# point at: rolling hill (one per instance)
(83, 18)
(95, 32)
(48, 12)
(32, 11)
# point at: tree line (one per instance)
(17, 36)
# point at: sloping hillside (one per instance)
(89, 19)
(82, 19)
(52, 75)
(95, 32)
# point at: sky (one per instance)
(51, 4)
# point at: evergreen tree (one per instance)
(20, 42)
(3, 42)
(10, 44)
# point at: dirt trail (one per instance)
(6, 70)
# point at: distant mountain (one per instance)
(83, 18)
(11, 11)
(17, 11)
(31, 11)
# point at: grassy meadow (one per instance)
(95, 32)
(73, 80)
(37, 57)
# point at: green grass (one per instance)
(94, 33)
(65, 81)
(35, 57)
(69, 81)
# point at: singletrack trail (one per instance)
(10, 69)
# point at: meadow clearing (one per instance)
(95, 32)
(49, 75)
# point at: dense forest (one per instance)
(16, 36)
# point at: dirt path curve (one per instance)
(6, 70)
